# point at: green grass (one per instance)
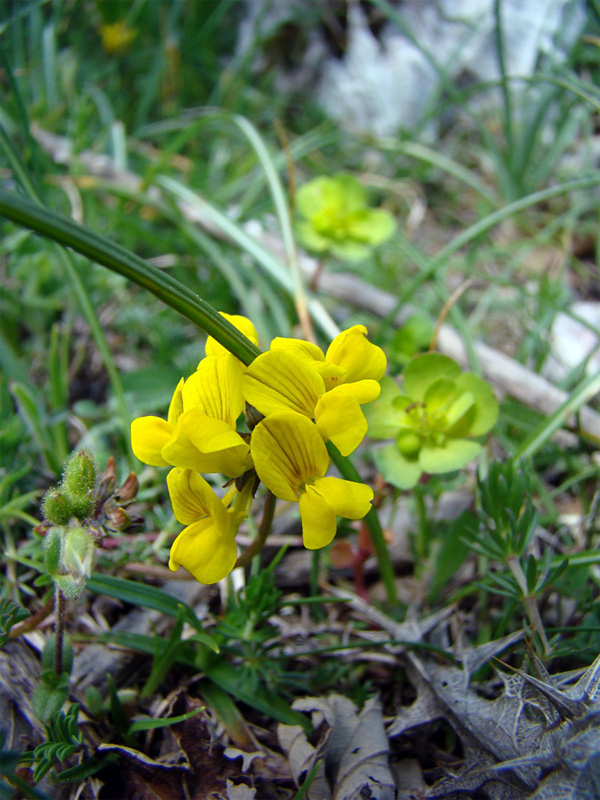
(98, 323)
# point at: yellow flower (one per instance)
(150, 434)
(243, 324)
(206, 547)
(350, 357)
(291, 460)
(330, 388)
(200, 433)
(117, 37)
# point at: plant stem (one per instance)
(33, 621)
(116, 258)
(60, 605)
(423, 529)
(529, 602)
(263, 531)
(386, 568)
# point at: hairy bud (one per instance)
(56, 507)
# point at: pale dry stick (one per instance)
(501, 370)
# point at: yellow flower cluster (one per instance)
(302, 398)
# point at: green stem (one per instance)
(422, 549)
(60, 606)
(530, 603)
(112, 256)
(261, 534)
(386, 568)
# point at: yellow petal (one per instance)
(148, 437)
(176, 405)
(287, 450)
(360, 358)
(339, 419)
(206, 445)
(318, 519)
(213, 348)
(192, 497)
(347, 498)
(299, 348)
(280, 380)
(205, 549)
(215, 389)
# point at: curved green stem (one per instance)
(112, 256)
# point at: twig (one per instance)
(262, 532)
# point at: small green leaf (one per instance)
(486, 405)
(385, 414)
(422, 370)
(396, 468)
(141, 595)
(453, 454)
(10, 614)
(151, 724)
(50, 695)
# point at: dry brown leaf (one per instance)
(354, 746)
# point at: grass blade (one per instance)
(119, 259)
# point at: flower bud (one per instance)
(78, 553)
(80, 474)
(56, 507)
(52, 547)
(409, 443)
(82, 506)
(128, 490)
(118, 518)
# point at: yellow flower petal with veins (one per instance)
(192, 497)
(215, 389)
(291, 459)
(287, 450)
(279, 380)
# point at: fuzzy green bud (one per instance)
(409, 443)
(78, 553)
(81, 506)
(52, 548)
(70, 587)
(56, 507)
(80, 474)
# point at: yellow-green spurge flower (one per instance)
(433, 421)
(336, 218)
(302, 398)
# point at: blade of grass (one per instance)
(579, 396)
(111, 255)
(441, 161)
(233, 231)
(490, 221)
(69, 266)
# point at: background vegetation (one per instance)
(177, 148)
